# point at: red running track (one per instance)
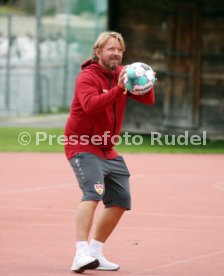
(175, 227)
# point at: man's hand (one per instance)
(122, 77)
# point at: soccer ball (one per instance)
(139, 78)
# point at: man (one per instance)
(96, 116)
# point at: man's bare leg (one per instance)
(105, 226)
(107, 222)
(84, 219)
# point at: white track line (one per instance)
(37, 224)
(36, 274)
(33, 189)
(219, 185)
(47, 187)
(180, 262)
(156, 229)
(137, 176)
(166, 215)
(145, 228)
(38, 209)
(177, 215)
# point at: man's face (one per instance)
(110, 56)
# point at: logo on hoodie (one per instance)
(105, 90)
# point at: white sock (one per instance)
(81, 247)
(95, 248)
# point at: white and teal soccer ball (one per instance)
(139, 78)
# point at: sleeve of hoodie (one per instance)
(91, 101)
(148, 98)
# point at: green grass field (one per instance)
(51, 140)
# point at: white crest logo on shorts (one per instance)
(99, 188)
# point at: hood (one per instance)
(94, 65)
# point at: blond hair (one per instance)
(102, 40)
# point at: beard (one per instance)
(111, 64)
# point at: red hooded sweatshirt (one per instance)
(97, 111)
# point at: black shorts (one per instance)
(103, 179)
